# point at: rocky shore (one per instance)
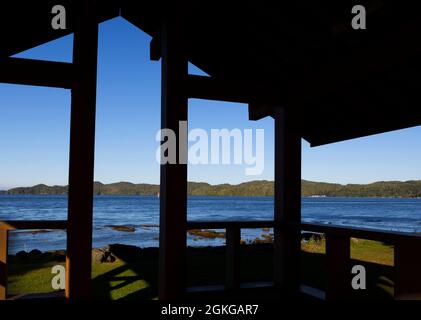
(115, 252)
(130, 253)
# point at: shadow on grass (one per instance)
(141, 284)
(134, 276)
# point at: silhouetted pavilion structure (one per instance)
(301, 63)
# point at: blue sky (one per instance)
(34, 127)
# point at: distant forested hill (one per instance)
(407, 189)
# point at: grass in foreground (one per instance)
(376, 257)
(138, 280)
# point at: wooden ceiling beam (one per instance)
(36, 72)
(201, 87)
(257, 111)
(209, 88)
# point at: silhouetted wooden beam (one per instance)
(287, 233)
(201, 87)
(82, 147)
(233, 239)
(191, 225)
(36, 72)
(32, 224)
(3, 263)
(338, 255)
(208, 88)
(361, 233)
(155, 48)
(173, 186)
(257, 112)
(407, 269)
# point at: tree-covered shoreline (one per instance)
(405, 189)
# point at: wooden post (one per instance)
(3, 263)
(338, 254)
(407, 269)
(173, 187)
(82, 147)
(287, 235)
(233, 239)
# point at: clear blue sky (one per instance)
(34, 127)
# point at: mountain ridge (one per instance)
(405, 189)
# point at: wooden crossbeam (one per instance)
(191, 225)
(361, 233)
(209, 88)
(32, 224)
(201, 87)
(36, 72)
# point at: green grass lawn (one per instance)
(376, 257)
(113, 281)
(363, 250)
(138, 280)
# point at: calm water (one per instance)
(143, 214)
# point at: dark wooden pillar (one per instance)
(3, 263)
(173, 188)
(408, 269)
(338, 255)
(82, 146)
(233, 239)
(287, 235)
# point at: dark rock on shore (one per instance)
(147, 226)
(37, 255)
(122, 228)
(208, 234)
(22, 255)
(265, 238)
(102, 255)
(130, 253)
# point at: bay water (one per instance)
(142, 214)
